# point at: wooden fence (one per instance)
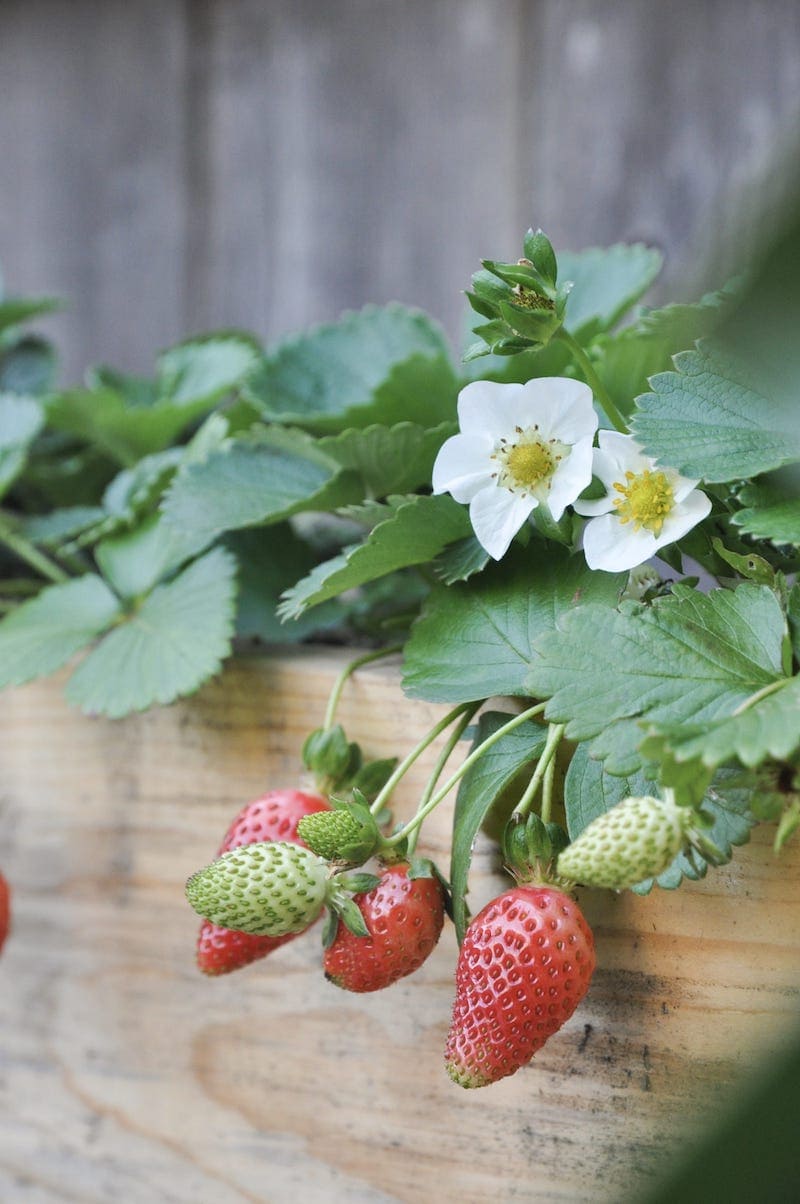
(170, 166)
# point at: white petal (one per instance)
(463, 466)
(681, 486)
(570, 478)
(623, 452)
(613, 546)
(496, 515)
(691, 511)
(483, 406)
(576, 417)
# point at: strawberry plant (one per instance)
(594, 513)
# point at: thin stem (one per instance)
(339, 684)
(547, 791)
(26, 551)
(441, 761)
(594, 381)
(467, 764)
(542, 765)
(416, 752)
(764, 692)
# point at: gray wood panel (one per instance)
(171, 166)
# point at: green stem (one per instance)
(467, 764)
(593, 380)
(442, 759)
(764, 692)
(542, 766)
(26, 551)
(339, 684)
(416, 752)
(547, 791)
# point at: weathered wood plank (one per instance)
(358, 154)
(93, 129)
(126, 1075)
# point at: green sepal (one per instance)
(539, 250)
(536, 325)
(531, 848)
(696, 837)
(330, 756)
(787, 825)
(358, 884)
(561, 531)
(350, 915)
(330, 928)
(423, 867)
(521, 274)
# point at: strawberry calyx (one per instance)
(530, 851)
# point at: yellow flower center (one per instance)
(530, 463)
(646, 500)
(527, 464)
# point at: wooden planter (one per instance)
(126, 1075)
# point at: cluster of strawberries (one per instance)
(524, 965)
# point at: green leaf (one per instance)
(167, 648)
(476, 640)
(137, 560)
(203, 370)
(59, 526)
(415, 533)
(606, 283)
(126, 433)
(460, 561)
(16, 310)
(712, 421)
(389, 459)
(589, 791)
(247, 483)
(21, 419)
(28, 366)
(766, 727)
(381, 365)
(270, 561)
(771, 508)
(135, 390)
(688, 658)
(480, 787)
(41, 635)
(793, 615)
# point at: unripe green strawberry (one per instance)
(636, 839)
(267, 889)
(328, 831)
(525, 965)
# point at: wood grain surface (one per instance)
(127, 1076)
(171, 166)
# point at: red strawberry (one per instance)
(524, 967)
(5, 909)
(273, 816)
(405, 917)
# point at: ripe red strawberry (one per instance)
(5, 909)
(405, 917)
(273, 816)
(524, 966)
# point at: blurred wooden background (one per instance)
(170, 166)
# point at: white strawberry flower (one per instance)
(519, 447)
(645, 508)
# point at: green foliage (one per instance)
(713, 420)
(480, 788)
(477, 640)
(415, 533)
(686, 659)
(380, 365)
(175, 640)
(771, 508)
(21, 419)
(389, 459)
(41, 635)
(606, 282)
